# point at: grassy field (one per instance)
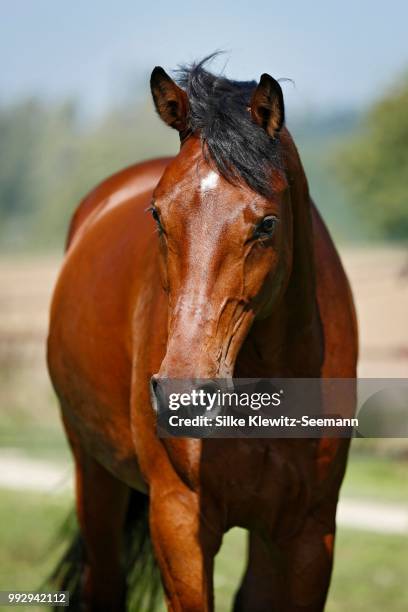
(370, 569)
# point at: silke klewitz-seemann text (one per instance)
(260, 421)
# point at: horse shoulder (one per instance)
(110, 255)
(123, 185)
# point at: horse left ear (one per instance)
(169, 99)
(267, 108)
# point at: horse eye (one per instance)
(156, 217)
(266, 227)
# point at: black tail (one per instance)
(142, 574)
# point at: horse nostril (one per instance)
(209, 387)
(156, 393)
(207, 393)
(153, 384)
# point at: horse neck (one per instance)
(303, 328)
(289, 341)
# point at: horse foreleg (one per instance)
(101, 507)
(309, 562)
(293, 577)
(184, 548)
(258, 590)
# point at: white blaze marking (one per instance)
(210, 181)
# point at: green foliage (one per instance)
(50, 158)
(316, 135)
(374, 165)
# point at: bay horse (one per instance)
(211, 264)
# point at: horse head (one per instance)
(223, 214)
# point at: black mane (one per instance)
(219, 113)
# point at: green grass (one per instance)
(29, 523)
(370, 569)
(229, 567)
(47, 441)
(378, 478)
(369, 573)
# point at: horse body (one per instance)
(115, 324)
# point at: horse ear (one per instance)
(169, 99)
(267, 108)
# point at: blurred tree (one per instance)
(50, 158)
(20, 136)
(374, 165)
(51, 155)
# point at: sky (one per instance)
(339, 54)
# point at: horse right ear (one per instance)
(267, 108)
(169, 99)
